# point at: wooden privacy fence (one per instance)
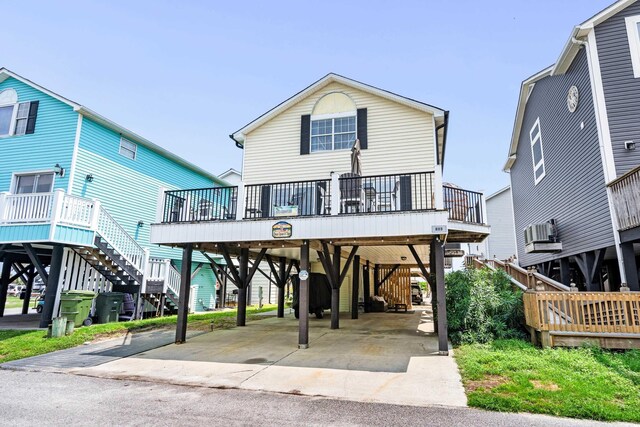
(600, 312)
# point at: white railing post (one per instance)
(57, 205)
(95, 214)
(167, 270)
(3, 203)
(335, 193)
(160, 205)
(438, 190)
(241, 203)
(146, 270)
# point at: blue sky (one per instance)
(187, 74)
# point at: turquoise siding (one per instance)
(205, 281)
(51, 143)
(129, 189)
(73, 236)
(24, 233)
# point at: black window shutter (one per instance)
(362, 127)
(305, 134)
(33, 113)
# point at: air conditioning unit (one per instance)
(545, 232)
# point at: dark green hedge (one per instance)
(482, 305)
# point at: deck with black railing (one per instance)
(346, 194)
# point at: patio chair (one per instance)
(389, 200)
(351, 193)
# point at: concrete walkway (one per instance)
(382, 357)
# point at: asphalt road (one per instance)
(36, 398)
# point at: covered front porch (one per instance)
(360, 252)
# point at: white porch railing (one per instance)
(119, 239)
(161, 269)
(77, 211)
(25, 208)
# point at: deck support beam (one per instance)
(590, 264)
(185, 289)
(355, 286)
(565, 271)
(303, 298)
(335, 291)
(243, 273)
(630, 266)
(366, 288)
(52, 282)
(31, 275)
(443, 338)
(282, 279)
(376, 279)
(4, 282)
(33, 256)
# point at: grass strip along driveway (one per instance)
(514, 376)
(17, 344)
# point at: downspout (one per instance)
(605, 164)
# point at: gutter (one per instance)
(239, 144)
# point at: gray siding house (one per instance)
(573, 162)
(501, 243)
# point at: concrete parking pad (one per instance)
(381, 357)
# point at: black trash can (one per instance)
(108, 306)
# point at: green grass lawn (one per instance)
(514, 376)
(15, 344)
(13, 302)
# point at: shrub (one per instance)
(482, 306)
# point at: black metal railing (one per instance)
(200, 204)
(387, 193)
(463, 205)
(300, 198)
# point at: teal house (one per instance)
(78, 193)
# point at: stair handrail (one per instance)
(172, 279)
(118, 238)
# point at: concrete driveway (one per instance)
(381, 357)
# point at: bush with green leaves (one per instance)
(482, 305)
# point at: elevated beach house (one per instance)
(574, 157)
(344, 180)
(78, 193)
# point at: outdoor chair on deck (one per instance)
(351, 193)
(388, 200)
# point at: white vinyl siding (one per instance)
(128, 148)
(537, 155)
(400, 139)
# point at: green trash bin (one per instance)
(108, 306)
(76, 305)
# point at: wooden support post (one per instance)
(185, 288)
(5, 279)
(53, 281)
(282, 279)
(431, 279)
(366, 288)
(376, 279)
(565, 271)
(243, 267)
(31, 275)
(355, 290)
(630, 266)
(335, 291)
(303, 298)
(443, 338)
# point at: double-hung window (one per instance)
(128, 148)
(34, 183)
(537, 154)
(334, 133)
(22, 117)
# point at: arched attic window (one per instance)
(334, 124)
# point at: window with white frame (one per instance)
(8, 99)
(128, 148)
(537, 155)
(633, 36)
(22, 117)
(34, 183)
(333, 133)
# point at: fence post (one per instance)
(146, 266)
(335, 193)
(241, 202)
(167, 268)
